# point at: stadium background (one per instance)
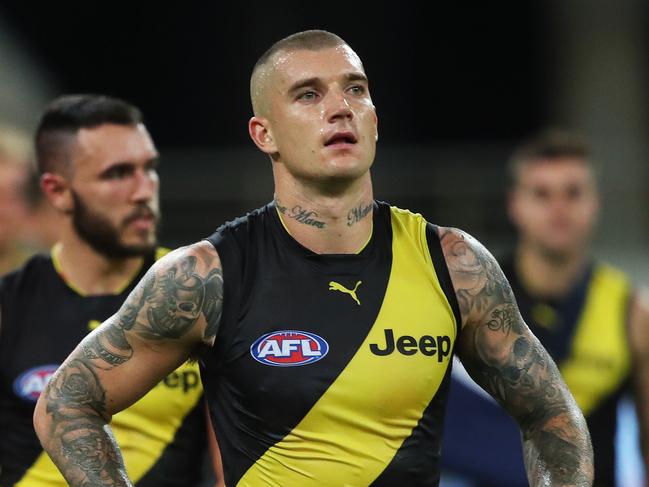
(456, 87)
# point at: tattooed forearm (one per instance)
(87, 453)
(554, 454)
(357, 214)
(300, 215)
(91, 449)
(503, 356)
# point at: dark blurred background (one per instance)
(456, 87)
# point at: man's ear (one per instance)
(57, 190)
(262, 135)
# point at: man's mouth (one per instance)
(144, 219)
(339, 138)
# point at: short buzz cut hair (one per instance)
(310, 40)
(551, 143)
(66, 115)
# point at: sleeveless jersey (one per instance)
(585, 333)
(331, 370)
(162, 437)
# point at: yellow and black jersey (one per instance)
(331, 370)
(162, 436)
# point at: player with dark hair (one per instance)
(326, 320)
(98, 169)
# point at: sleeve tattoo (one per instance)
(165, 306)
(505, 358)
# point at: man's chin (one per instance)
(561, 252)
(139, 248)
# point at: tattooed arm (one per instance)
(503, 356)
(176, 307)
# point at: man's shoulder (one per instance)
(611, 276)
(34, 269)
(242, 225)
(160, 252)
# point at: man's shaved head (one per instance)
(311, 40)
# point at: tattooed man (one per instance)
(583, 311)
(98, 169)
(326, 321)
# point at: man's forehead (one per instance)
(556, 170)
(109, 142)
(288, 65)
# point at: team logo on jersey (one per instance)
(336, 286)
(31, 383)
(289, 348)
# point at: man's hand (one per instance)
(505, 358)
(176, 307)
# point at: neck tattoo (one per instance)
(357, 214)
(300, 215)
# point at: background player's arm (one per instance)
(503, 356)
(639, 344)
(176, 307)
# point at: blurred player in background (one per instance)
(98, 170)
(14, 175)
(585, 312)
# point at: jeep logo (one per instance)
(408, 345)
(185, 380)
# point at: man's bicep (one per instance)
(179, 300)
(174, 308)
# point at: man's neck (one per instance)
(545, 276)
(327, 224)
(89, 272)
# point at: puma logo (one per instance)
(335, 286)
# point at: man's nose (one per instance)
(146, 185)
(338, 106)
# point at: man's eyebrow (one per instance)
(304, 83)
(117, 165)
(152, 162)
(356, 77)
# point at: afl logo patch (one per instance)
(31, 383)
(289, 348)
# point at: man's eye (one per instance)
(118, 172)
(541, 194)
(357, 89)
(574, 192)
(307, 96)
